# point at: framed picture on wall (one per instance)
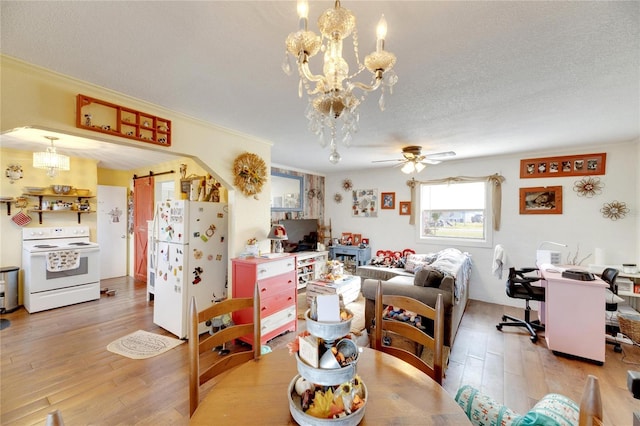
(405, 208)
(388, 200)
(569, 165)
(541, 200)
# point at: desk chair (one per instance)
(519, 287)
(411, 332)
(609, 276)
(202, 347)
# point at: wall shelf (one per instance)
(111, 119)
(40, 210)
(8, 203)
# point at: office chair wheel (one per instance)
(504, 318)
(534, 339)
(499, 327)
(617, 349)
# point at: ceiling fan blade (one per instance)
(428, 161)
(386, 161)
(441, 154)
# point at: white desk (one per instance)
(574, 316)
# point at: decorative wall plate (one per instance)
(13, 172)
(249, 171)
(337, 198)
(347, 185)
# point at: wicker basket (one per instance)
(630, 327)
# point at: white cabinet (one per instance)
(311, 265)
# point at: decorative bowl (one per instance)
(302, 418)
(61, 189)
(328, 330)
(323, 376)
(34, 189)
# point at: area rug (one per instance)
(142, 344)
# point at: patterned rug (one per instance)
(142, 344)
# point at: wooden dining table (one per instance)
(255, 393)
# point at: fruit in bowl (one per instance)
(61, 189)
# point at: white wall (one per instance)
(581, 222)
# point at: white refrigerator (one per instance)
(191, 260)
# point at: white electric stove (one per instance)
(61, 267)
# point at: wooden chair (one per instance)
(409, 331)
(198, 346)
(591, 403)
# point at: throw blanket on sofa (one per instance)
(450, 261)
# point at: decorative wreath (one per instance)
(337, 198)
(347, 185)
(249, 171)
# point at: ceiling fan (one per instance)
(414, 160)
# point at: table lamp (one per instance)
(278, 233)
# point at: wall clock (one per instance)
(249, 171)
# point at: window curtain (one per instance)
(496, 193)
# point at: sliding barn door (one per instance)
(143, 207)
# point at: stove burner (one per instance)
(79, 244)
(44, 246)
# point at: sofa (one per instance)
(422, 277)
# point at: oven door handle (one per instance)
(81, 252)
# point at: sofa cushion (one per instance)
(552, 410)
(428, 277)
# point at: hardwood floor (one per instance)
(58, 360)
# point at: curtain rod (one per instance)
(153, 174)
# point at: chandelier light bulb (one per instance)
(303, 14)
(381, 30)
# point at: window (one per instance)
(457, 212)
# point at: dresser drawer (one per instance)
(274, 285)
(277, 320)
(271, 269)
(279, 301)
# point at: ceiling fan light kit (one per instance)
(333, 106)
(414, 161)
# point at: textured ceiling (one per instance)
(478, 78)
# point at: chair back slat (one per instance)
(199, 346)
(435, 343)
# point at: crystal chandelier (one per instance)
(333, 106)
(50, 160)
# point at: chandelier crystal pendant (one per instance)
(333, 106)
(50, 160)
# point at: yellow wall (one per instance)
(34, 96)
(114, 177)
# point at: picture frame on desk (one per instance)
(347, 239)
(541, 200)
(357, 239)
